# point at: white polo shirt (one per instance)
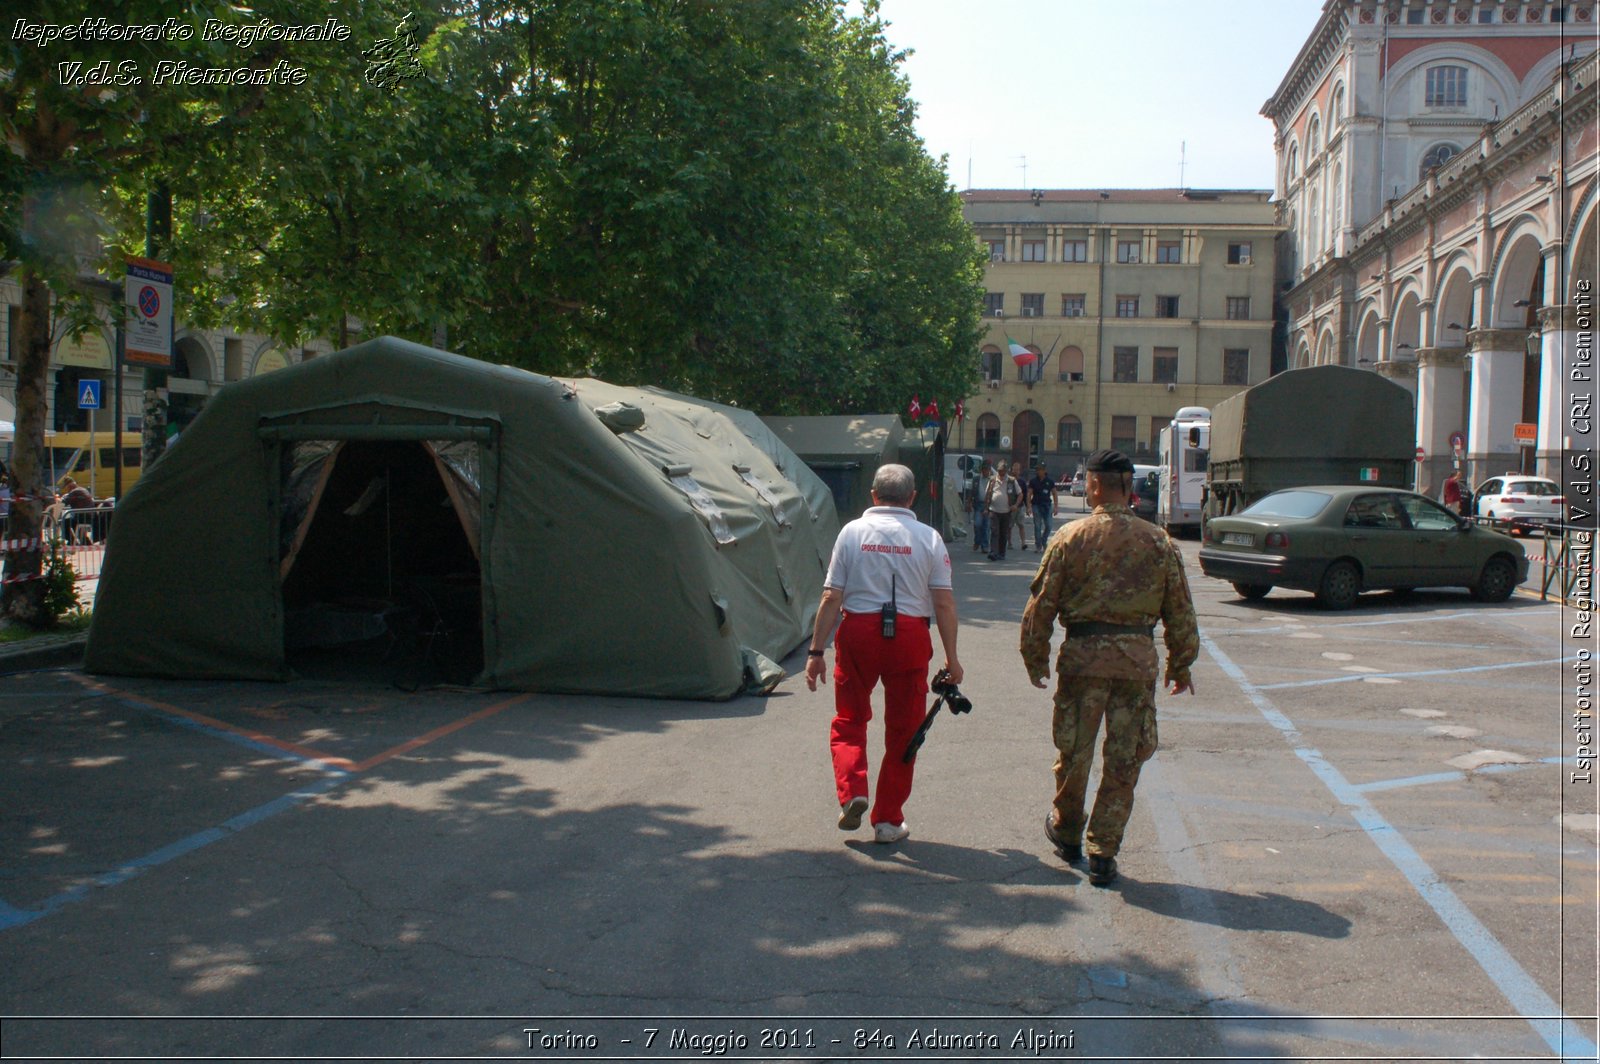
(883, 543)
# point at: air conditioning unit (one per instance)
(997, 256)
(994, 382)
(1029, 312)
(1244, 260)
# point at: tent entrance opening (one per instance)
(379, 559)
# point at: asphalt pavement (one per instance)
(1360, 839)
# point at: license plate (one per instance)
(1241, 539)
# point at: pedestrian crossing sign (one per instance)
(89, 395)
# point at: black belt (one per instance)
(1082, 628)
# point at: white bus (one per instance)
(1185, 445)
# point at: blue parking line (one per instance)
(1357, 677)
(11, 917)
(1525, 995)
(1450, 777)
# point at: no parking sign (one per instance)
(149, 299)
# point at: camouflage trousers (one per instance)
(1129, 710)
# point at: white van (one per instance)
(961, 471)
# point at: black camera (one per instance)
(947, 690)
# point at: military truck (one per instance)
(1319, 425)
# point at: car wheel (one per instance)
(1340, 586)
(1252, 592)
(1497, 581)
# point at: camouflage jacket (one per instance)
(1113, 568)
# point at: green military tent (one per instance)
(576, 536)
(846, 450)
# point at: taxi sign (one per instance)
(1525, 432)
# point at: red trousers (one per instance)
(862, 657)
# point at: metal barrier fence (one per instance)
(1567, 556)
(83, 539)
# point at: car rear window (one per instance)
(1288, 504)
(1532, 487)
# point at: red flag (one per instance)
(916, 408)
(961, 411)
(931, 411)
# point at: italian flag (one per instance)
(1021, 355)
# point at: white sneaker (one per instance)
(851, 812)
(889, 832)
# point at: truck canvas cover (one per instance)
(609, 540)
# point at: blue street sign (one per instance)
(89, 395)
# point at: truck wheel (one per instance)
(1497, 581)
(1340, 586)
(1252, 592)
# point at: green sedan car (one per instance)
(1339, 541)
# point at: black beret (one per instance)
(1109, 461)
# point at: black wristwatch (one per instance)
(815, 653)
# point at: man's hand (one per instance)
(955, 670)
(816, 669)
(1176, 688)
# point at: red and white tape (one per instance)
(21, 544)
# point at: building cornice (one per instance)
(1311, 65)
(1441, 357)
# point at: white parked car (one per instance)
(1521, 502)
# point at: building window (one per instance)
(1124, 431)
(1236, 365)
(1558, 14)
(988, 432)
(1313, 139)
(1169, 251)
(1033, 304)
(1238, 308)
(1069, 434)
(1436, 156)
(1127, 251)
(1029, 371)
(991, 363)
(1239, 254)
(1127, 306)
(1075, 251)
(1033, 251)
(1164, 367)
(1166, 306)
(1072, 305)
(1336, 110)
(1446, 87)
(1485, 14)
(1125, 365)
(1294, 162)
(1070, 363)
(1414, 16)
(994, 304)
(997, 250)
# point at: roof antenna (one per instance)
(1183, 159)
(1024, 159)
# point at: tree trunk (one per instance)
(24, 599)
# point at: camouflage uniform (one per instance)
(1108, 568)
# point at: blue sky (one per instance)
(1099, 93)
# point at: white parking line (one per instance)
(1413, 675)
(1558, 1031)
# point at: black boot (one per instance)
(1070, 852)
(1102, 870)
